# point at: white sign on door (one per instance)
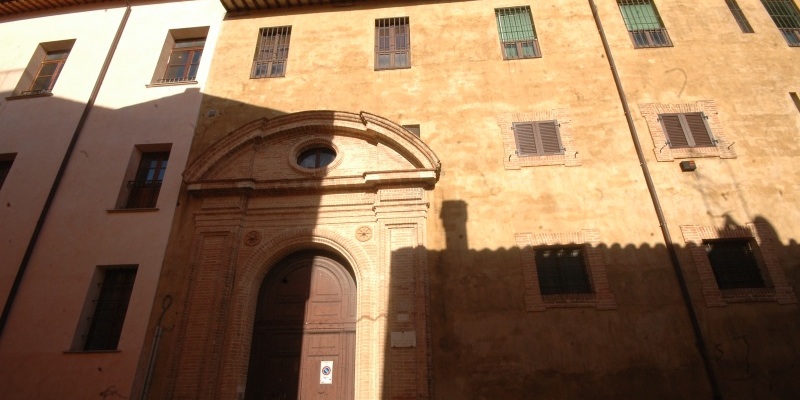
(326, 372)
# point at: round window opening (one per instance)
(316, 157)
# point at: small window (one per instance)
(786, 17)
(143, 190)
(738, 15)
(561, 270)
(687, 130)
(44, 68)
(517, 33)
(414, 129)
(734, 264)
(110, 295)
(644, 24)
(184, 61)
(180, 57)
(537, 138)
(392, 43)
(5, 166)
(316, 157)
(272, 52)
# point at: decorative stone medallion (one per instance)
(252, 238)
(364, 233)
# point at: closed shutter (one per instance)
(526, 139)
(548, 132)
(674, 130)
(699, 131)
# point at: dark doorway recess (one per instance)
(305, 321)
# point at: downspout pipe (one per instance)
(12, 294)
(662, 221)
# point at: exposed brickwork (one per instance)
(777, 289)
(651, 111)
(601, 297)
(511, 160)
(389, 267)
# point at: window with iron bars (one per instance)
(739, 16)
(734, 264)
(561, 270)
(644, 24)
(517, 33)
(786, 17)
(111, 305)
(272, 52)
(392, 43)
(184, 61)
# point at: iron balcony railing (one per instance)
(142, 194)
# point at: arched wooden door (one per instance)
(304, 332)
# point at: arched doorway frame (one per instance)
(224, 252)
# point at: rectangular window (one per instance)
(180, 57)
(144, 188)
(786, 17)
(44, 68)
(687, 130)
(738, 15)
(184, 61)
(392, 43)
(644, 24)
(517, 33)
(5, 166)
(537, 138)
(111, 305)
(272, 51)
(561, 270)
(734, 264)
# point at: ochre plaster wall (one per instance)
(484, 343)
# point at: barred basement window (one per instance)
(392, 43)
(687, 130)
(734, 264)
(644, 24)
(517, 33)
(786, 17)
(272, 52)
(738, 15)
(537, 138)
(110, 308)
(561, 270)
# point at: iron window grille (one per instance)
(272, 52)
(786, 17)
(644, 24)
(561, 270)
(144, 189)
(687, 130)
(392, 43)
(734, 264)
(184, 61)
(538, 138)
(48, 72)
(110, 309)
(517, 33)
(739, 16)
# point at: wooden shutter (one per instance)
(674, 131)
(526, 139)
(548, 133)
(698, 129)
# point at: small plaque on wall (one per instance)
(404, 339)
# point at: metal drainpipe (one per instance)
(12, 294)
(673, 255)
